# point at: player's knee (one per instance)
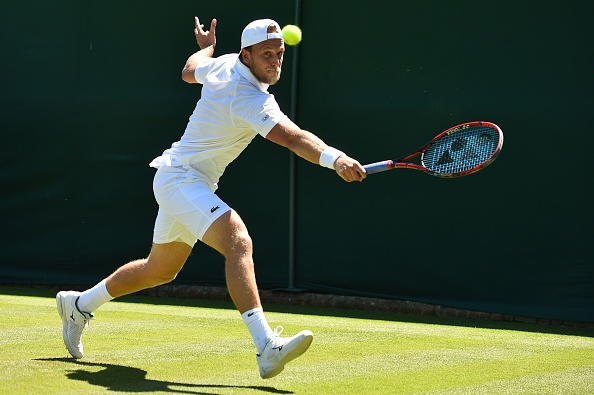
(167, 278)
(158, 272)
(242, 244)
(163, 277)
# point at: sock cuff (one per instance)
(104, 290)
(252, 314)
(93, 298)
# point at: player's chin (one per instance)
(273, 77)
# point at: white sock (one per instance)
(258, 326)
(93, 298)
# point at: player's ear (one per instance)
(245, 56)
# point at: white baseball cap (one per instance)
(257, 31)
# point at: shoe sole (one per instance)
(301, 347)
(295, 353)
(61, 310)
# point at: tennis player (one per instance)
(235, 106)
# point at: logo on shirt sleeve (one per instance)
(266, 117)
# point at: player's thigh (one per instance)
(229, 235)
(187, 207)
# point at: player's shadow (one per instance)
(120, 378)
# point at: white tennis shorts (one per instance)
(187, 206)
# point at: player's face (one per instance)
(265, 60)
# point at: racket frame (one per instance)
(402, 162)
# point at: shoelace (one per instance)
(278, 331)
(276, 339)
(80, 328)
(86, 320)
(86, 324)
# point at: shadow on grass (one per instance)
(332, 312)
(121, 378)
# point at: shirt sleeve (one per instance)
(202, 69)
(209, 65)
(260, 113)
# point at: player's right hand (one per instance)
(349, 169)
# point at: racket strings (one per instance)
(461, 151)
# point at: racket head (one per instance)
(463, 149)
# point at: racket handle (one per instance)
(378, 167)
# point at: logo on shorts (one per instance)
(212, 210)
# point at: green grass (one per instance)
(158, 345)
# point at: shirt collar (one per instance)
(247, 74)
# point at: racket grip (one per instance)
(378, 167)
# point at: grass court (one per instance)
(178, 346)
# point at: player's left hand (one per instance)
(205, 38)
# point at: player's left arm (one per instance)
(310, 147)
(207, 41)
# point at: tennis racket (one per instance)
(457, 152)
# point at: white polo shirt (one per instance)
(233, 109)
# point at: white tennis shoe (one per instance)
(278, 352)
(74, 321)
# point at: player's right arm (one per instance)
(207, 40)
(310, 147)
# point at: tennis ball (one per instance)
(292, 34)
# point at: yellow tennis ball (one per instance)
(292, 34)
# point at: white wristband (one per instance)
(329, 156)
